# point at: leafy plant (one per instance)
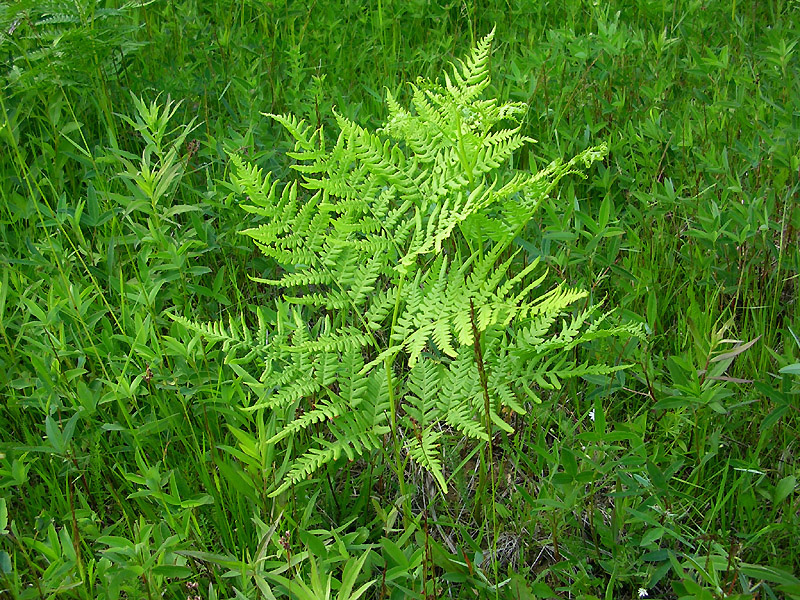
(404, 309)
(54, 44)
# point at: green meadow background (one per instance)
(129, 470)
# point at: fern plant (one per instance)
(405, 314)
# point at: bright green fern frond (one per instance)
(253, 183)
(424, 450)
(345, 339)
(425, 382)
(471, 76)
(234, 335)
(353, 387)
(302, 133)
(362, 441)
(461, 415)
(306, 277)
(460, 395)
(363, 283)
(324, 410)
(332, 300)
(304, 387)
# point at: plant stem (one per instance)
(476, 345)
(393, 406)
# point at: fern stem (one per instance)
(462, 153)
(487, 407)
(388, 364)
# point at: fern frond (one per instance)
(459, 396)
(363, 282)
(327, 452)
(471, 76)
(355, 388)
(323, 411)
(425, 382)
(288, 395)
(234, 335)
(302, 133)
(424, 450)
(462, 416)
(380, 305)
(306, 277)
(347, 339)
(333, 300)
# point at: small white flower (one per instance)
(591, 414)
(642, 593)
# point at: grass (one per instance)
(127, 467)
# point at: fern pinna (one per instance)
(402, 251)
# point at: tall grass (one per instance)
(127, 466)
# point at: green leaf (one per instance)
(652, 535)
(782, 491)
(3, 516)
(198, 500)
(542, 590)
(520, 589)
(176, 571)
(562, 478)
(350, 573)
(569, 462)
(5, 563)
(791, 369)
(791, 590)
(771, 574)
(736, 351)
(392, 551)
(315, 546)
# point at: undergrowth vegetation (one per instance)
(513, 314)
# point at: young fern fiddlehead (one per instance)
(401, 253)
